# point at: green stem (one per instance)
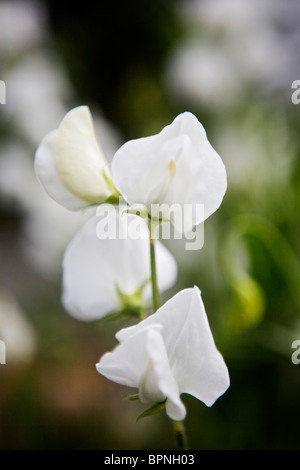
(178, 425)
(155, 291)
(180, 435)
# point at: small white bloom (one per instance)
(101, 274)
(178, 166)
(170, 353)
(15, 330)
(70, 164)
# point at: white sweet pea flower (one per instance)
(104, 273)
(70, 164)
(170, 353)
(171, 173)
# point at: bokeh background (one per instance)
(138, 64)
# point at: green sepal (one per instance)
(112, 317)
(125, 315)
(115, 196)
(132, 397)
(132, 304)
(153, 410)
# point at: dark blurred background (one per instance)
(137, 65)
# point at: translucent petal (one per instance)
(127, 363)
(48, 175)
(79, 158)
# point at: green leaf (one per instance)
(153, 410)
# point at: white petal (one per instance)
(136, 170)
(79, 158)
(197, 366)
(159, 381)
(210, 178)
(141, 169)
(94, 265)
(127, 363)
(142, 362)
(88, 275)
(48, 175)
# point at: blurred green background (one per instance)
(137, 65)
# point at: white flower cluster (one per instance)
(172, 350)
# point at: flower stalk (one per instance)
(180, 435)
(179, 429)
(155, 291)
